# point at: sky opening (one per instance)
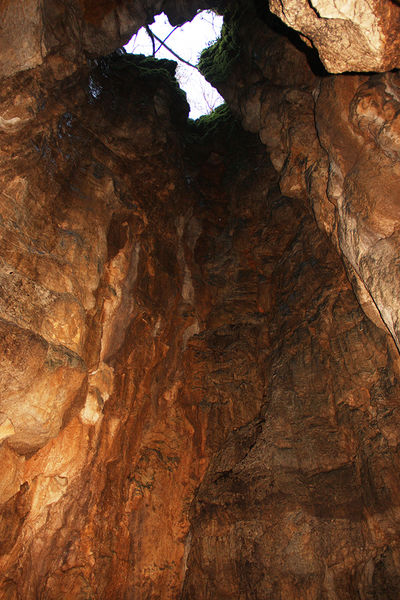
(186, 41)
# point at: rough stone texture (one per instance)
(65, 34)
(20, 52)
(341, 153)
(193, 404)
(302, 502)
(115, 253)
(355, 35)
(272, 519)
(364, 164)
(90, 292)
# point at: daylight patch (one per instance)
(187, 42)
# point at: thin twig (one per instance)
(165, 39)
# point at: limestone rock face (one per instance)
(290, 493)
(362, 182)
(355, 35)
(332, 139)
(88, 287)
(131, 313)
(65, 34)
(200, 392)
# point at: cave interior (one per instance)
(200, 319)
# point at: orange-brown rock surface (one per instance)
(199, 374)
(296, 503)
(350, 35)
(341, 153)
(62, 35)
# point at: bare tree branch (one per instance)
(165, 39)
(151, 36)
(169, 49)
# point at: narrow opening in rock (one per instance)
(186, 43)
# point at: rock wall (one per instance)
(200, 391)
(127, 352)
(63, 35)
(332, 139)
(301, 502)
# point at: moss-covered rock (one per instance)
(147, 67)
(220, 122)
(217, 61)
(121, 71)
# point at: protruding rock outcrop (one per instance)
(354, 35)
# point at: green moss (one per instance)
(144, 67)
(217, 61)
(220, 122)
(125, 69)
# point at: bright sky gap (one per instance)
(187, 41)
